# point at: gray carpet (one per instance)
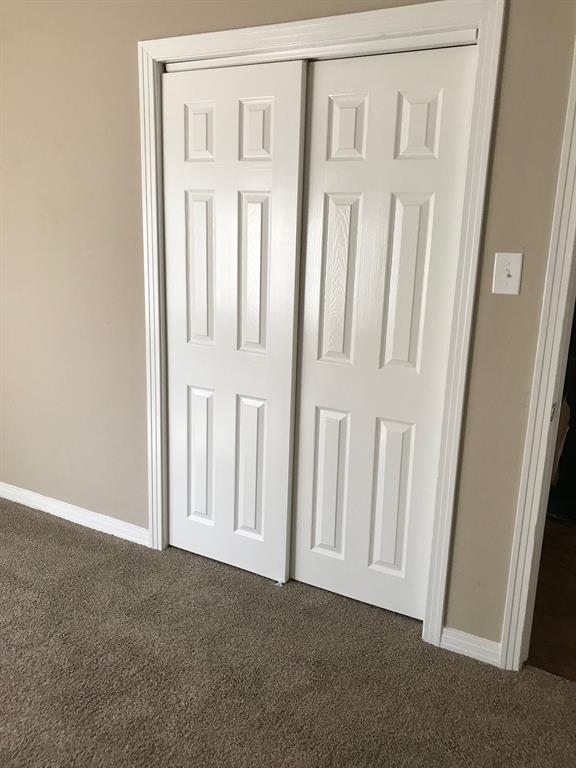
(114, 655)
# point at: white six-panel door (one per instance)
(232, 148)
(388, 139)
(387, 162)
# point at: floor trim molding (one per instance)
(74, 514)
(476, 647)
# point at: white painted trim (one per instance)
(477, 648)
(383, 43)
(150, 72)
(437, 24)
(75, 514)
(427, 25)
(547, 386)
(489, 42)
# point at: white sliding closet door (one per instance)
(232, 145)
(388, 146)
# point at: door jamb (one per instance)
(416, 27)
(547, 384)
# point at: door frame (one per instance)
(409, 28)
(545, 398)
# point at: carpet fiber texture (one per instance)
(115, 655)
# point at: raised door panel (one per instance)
(404, 297)
(200, 266)
(419, 118)
(330, 471)
(391, 492)
(256, 129)
(200, 455)
(253, 272)
(250, 436)
(199, 131)
(340, 242)
(347, 127)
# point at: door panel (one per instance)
(387, 161)
(232, 145)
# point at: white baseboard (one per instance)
(478, 648)
(75, 514)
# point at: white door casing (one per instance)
(386, 176)
(421, 26)
(232, 146)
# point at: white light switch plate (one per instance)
(507, 273)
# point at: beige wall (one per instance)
(530, 115)
(72, 356)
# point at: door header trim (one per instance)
(428, 25)
(414, 27)
(384, 43)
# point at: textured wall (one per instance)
(72, 355)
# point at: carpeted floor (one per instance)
(114, 655)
